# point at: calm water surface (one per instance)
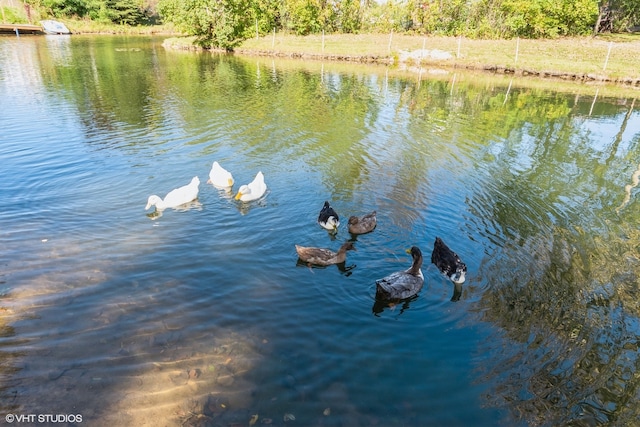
(204, 316)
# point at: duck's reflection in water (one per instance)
(345, 269)
(380, 305)
(194, 204)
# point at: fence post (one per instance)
(606, 61)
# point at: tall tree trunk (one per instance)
(596, 28)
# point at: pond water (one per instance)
(204, 315)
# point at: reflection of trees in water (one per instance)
(565, 291)
(574, 353)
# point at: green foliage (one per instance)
(12, 15)
(215, 23)
(303, 16)
(225, 23)
(623, 13)
(349, 16)
(268, 14)
(549, 18)
(62, 8)
(128, 12)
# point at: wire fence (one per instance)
(575, 58)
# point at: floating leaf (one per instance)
(253, 420)
(327, 411)
(289, 417)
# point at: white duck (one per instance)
(253, 190)
(220, 177)
(176, 197)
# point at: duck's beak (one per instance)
(230, 182)
(408, 251)
(238, 195)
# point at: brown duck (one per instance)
(362, 224)
(321, 256)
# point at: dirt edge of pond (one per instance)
(498, 69)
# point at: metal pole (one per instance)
(606, 61)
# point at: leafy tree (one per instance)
(545, 18)
(215, 23)
(349, 16)
(128, 12)
(268, 14)
(62, 8)
(303, 16)
(617, 15)
(125, 12)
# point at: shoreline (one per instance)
(490, 68)
(581, 60)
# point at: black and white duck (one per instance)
(402, 284)
(362, 224)
(321, 256)
(448, 262)
(328, 218)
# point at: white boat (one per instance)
(54, 27)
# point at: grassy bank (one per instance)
(607, 58)
(613, 59)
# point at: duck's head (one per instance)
(152, 201)
(348, 246)
(244, 190)
(416, 254)
(333, 223)
(459, 275)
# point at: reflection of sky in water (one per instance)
(602, 131)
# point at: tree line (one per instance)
(226, 23)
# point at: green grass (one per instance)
(570, 58)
